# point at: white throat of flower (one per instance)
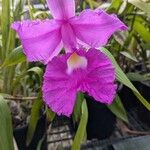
(75, 61)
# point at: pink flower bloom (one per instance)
(42, 40)
(67, 74)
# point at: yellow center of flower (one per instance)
(75, 61)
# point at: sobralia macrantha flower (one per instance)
(80, 71)
(42, 40)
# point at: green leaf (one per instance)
(137, 77)
(5, 21)
(118, 109)
(15, 57)
(35, 70)
(142, 31)
(18, 9)
(123, 7)
(77, 108)
(39, 146)
(141, 5)
(115, 5)
(35, 114)
(128, 55)
(6, 133)
(90, 3)
(50, 115)
(121, 77)
(80, 134)
(38, 71)
(145, 46)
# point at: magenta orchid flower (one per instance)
(79, 71)
(42, 40)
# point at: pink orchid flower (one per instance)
(79, 71)
(42, 40)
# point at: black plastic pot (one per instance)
(128, 98)
(101, 121)
(40, 132)
(130, 101)
(144, 113)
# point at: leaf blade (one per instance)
(15, 57)
(35, 113)
(141, 5)
(118, 109)
(121, 77)
(6, 131)
(81, 128)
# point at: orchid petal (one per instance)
(95, 27)
(57, 93)
(41, 40)
(68, 37)
(97, 78)
(62, 9)
(100, 77)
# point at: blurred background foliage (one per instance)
(18, 78)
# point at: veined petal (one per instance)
(60, 100)
(97, 78)
(41, 40)
(100, 77)
(68, 37)
(95, 27)
(62, 9)
(58, 94)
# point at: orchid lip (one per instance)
(76, 61)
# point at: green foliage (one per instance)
(141, 5)
(35, 115)
(142, 30)
(78, 106)
(121, 77)
(81, 131)
(114, 6)
(6, 133)
(136, 15)
(5, 17)
(118, 109)
(137, 77)
(40, 143)
(50, 115)
(15, 57)
(18, 76)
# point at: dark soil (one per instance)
(20, 112)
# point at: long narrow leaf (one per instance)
(121, 77)
(50, 115)
(35, 113)
(141, 5)
(134, 76)
(5, 20)
(37, 70)
(118, 109)
(6, 133)
(78, 106)
(115, 5)
(15, 57)
(142, 31)
(80, 134)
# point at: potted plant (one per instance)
(77, 69)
